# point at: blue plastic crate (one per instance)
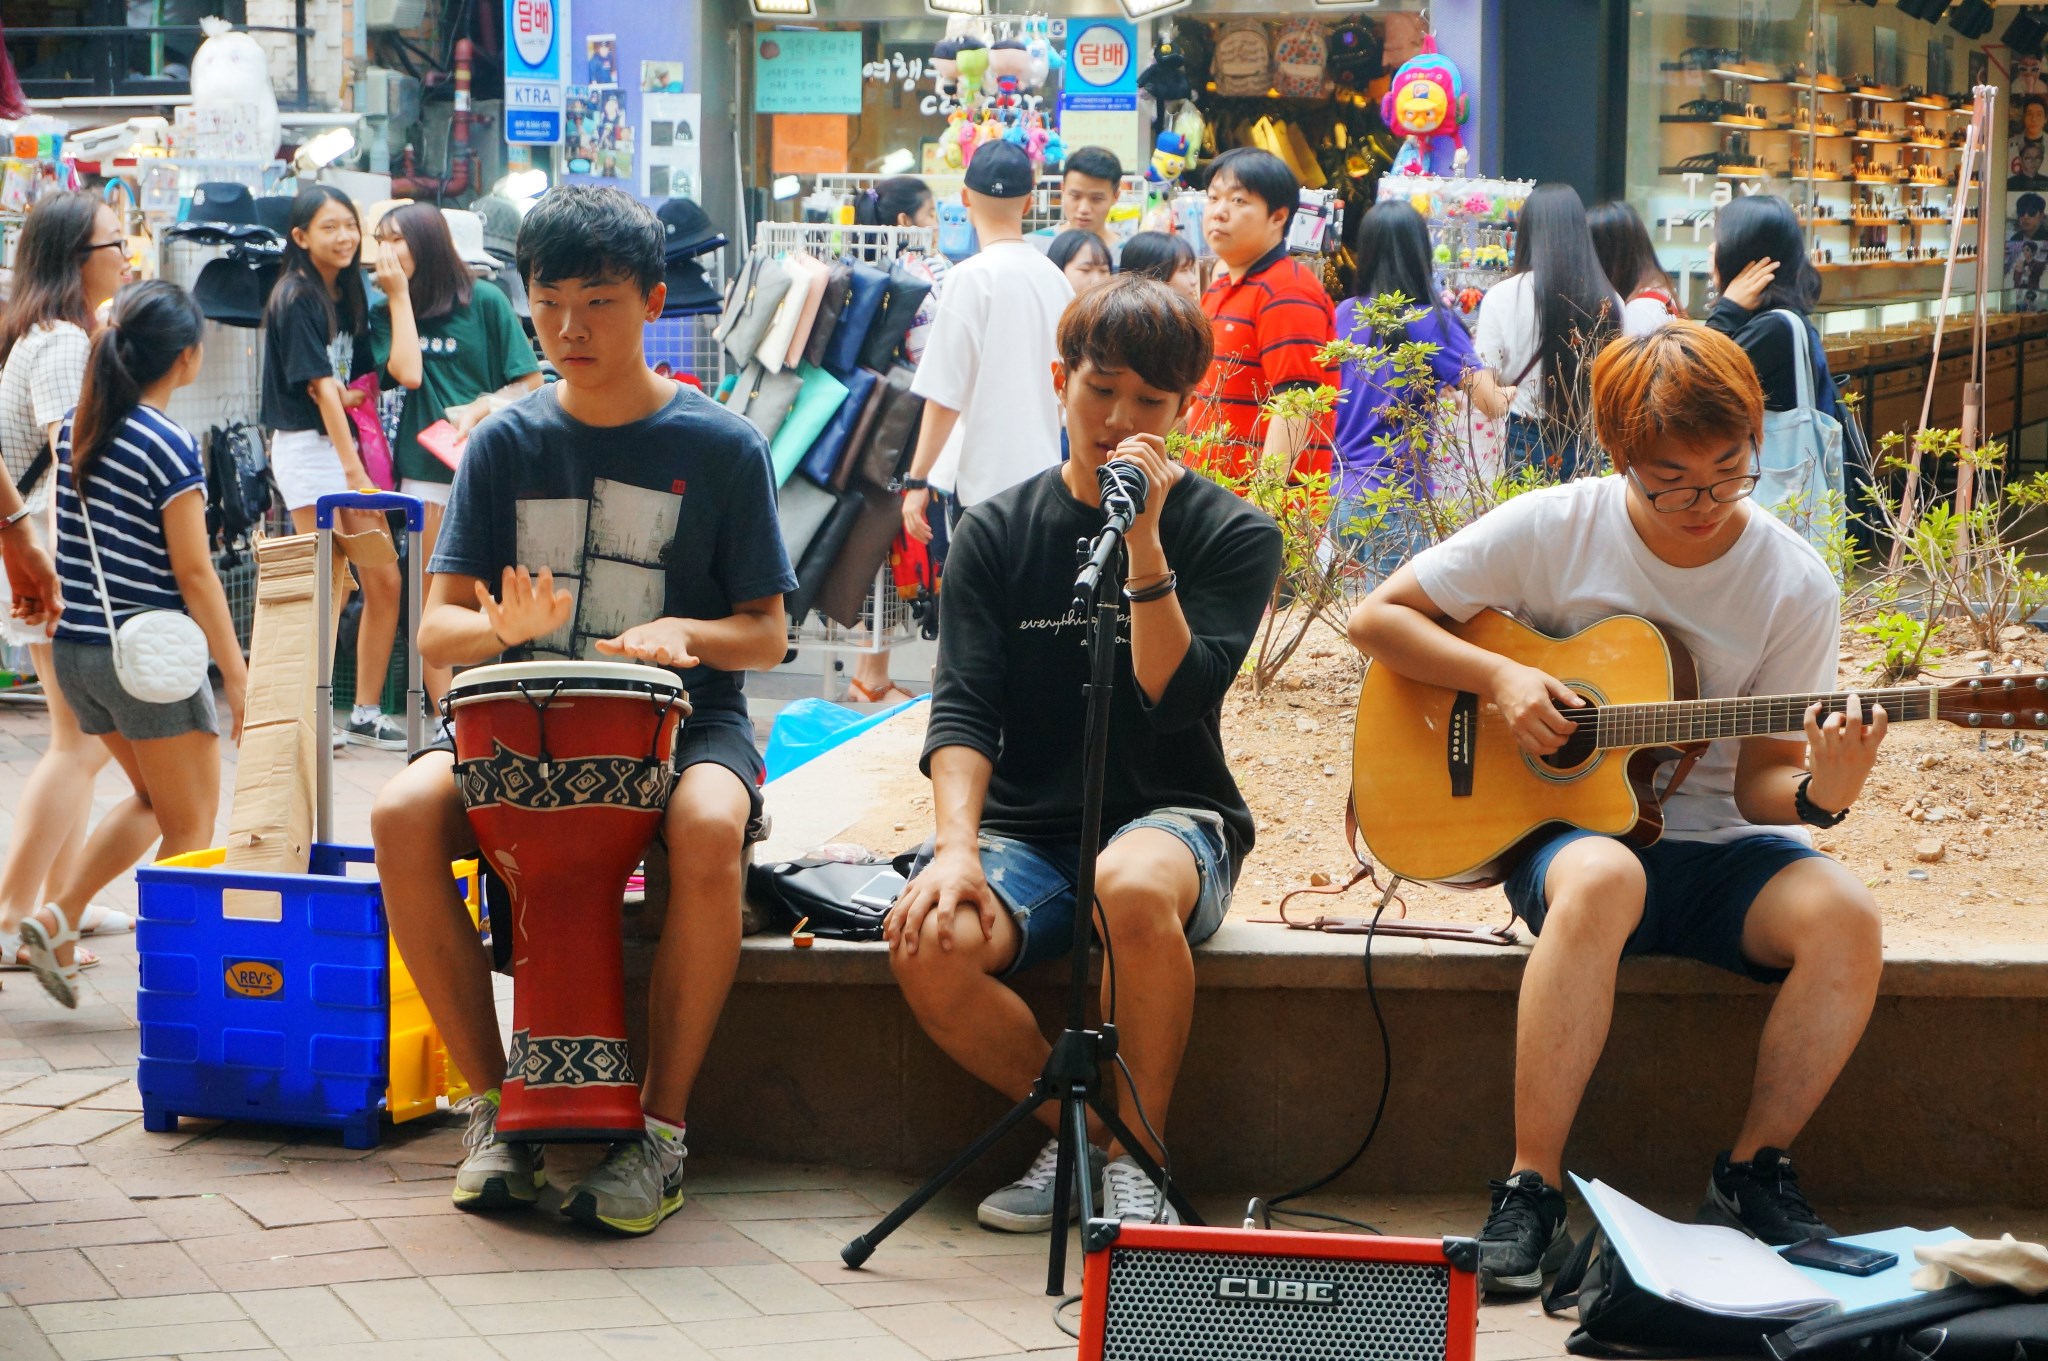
(283, 1021)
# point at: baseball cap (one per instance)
(1001, 170)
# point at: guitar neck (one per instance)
(1706, 720)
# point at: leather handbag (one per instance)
(746, 385)
(818, 397)
(801, 509)
(869, 285)
(821, 553)
(843, 595)
(838, 288)
(160, 656)
(893, 320)
(816, 273)
(774, 395)
(894, 435)
(829, 449)
(773, 351)
(863, 429)
(756, 310)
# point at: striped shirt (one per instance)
(151, 461)
(1269, 326)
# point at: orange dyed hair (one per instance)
(1681, 382)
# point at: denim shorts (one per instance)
(1697, 896)
(1035, 881)
(85, 672)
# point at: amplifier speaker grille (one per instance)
(1165, 1306)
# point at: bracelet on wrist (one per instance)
(1150, 593)
(10, 521)
(1811, 813)
(913, 484)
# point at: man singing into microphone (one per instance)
(1004, 748)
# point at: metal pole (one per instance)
(323, 691)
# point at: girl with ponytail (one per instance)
(137, 474)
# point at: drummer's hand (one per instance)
(665, 642)
(526, 607)
(950, 884)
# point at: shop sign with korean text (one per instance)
(536, 35)
(1102, 65)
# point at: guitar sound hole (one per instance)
(1580, 748)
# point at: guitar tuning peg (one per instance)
(1983, 741)
(1984, 667)
(2018, 743)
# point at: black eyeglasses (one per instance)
(103, 245)
(1672, 500)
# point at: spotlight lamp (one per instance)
(783, 9)
(1152, 9)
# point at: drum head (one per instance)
(538, 680)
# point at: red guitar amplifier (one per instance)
(1157, 1292)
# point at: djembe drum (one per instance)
(565, 769)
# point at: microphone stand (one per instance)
(1073, 1071)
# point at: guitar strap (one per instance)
(1402, 925)
(1688, 758)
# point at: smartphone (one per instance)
(880, 892)
(1825, 1254)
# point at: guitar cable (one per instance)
(1264, 1210)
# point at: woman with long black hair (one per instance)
(1540, 327)
(131, 538)
(316, 338)
(1761, 267)
(469, 357)
(1394, 258)
(1629, 258)
(70, 257)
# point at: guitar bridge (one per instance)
(1461, 743)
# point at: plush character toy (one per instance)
(1425, 104)
(946, 67)
(973, 61)
(1169, 158)
(1009, 60)
(1039, 46)
(230, 69)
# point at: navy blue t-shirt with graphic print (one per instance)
(672, 516)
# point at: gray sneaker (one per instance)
(495, 1176)
(1131, 1196)
(638, 1185)
(383, 732)
(1025, 1205)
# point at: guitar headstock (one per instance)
(2000, 703)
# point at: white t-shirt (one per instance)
(1762, 619)
(1510, 334)
(37, 390)
(990, 358)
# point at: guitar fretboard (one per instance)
(1704, 720)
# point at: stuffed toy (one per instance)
(1009, 60)
(946, 67)
(973, 61)
(230, 69)
(1039, 45)
(1169, 158)
(1424, 105)
(1166, 80)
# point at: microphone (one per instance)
(1124, 488)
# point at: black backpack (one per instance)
(1618, 1317)
(237, 489)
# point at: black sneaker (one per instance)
(1525, 1238)
(1762, 1198)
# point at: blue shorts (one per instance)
(1035, 881)
(1697, 898)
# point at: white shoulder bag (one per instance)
(1802, 478)
(159, 655)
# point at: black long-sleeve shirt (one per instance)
(1013, 660)
(1767, 340)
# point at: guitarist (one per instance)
(1671, 536)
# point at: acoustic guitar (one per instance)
(1444, 794)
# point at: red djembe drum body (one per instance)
(565, 769)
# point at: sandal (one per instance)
(857, 693)
(59, 980)
(13, 955)
(101, 920)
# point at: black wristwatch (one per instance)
(912, 484)
(1810, 813)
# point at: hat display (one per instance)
(371, 216)
(275, 212)
(467, 229)
(687, 229)
(222, 201)
(234, 289)
(689, 292)
(501, 223)
(1000, 170)
(222, 234)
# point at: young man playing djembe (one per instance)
(1004, 746)
(647, 498)
(1735, 881)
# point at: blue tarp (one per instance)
(809, 728)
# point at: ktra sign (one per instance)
(538, 33)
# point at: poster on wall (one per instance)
(2026, 250)
(1941, 66)
(1886, 43)
(671, 163)
(601, 59)
(596, 139)
(807, 71)
(661, 77)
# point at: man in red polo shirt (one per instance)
(1270, 315)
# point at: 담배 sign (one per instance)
(807, 71)
(536, 32)
(1102, 65)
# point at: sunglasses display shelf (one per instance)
(1871, 169)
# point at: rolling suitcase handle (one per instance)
(323, 597)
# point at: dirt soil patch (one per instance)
(1988, 809)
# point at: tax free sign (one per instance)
(536, 37)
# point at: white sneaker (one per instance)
(1131, 1196)
(1025, 1205)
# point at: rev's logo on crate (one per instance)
(256, 977)
(1275, 1290)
